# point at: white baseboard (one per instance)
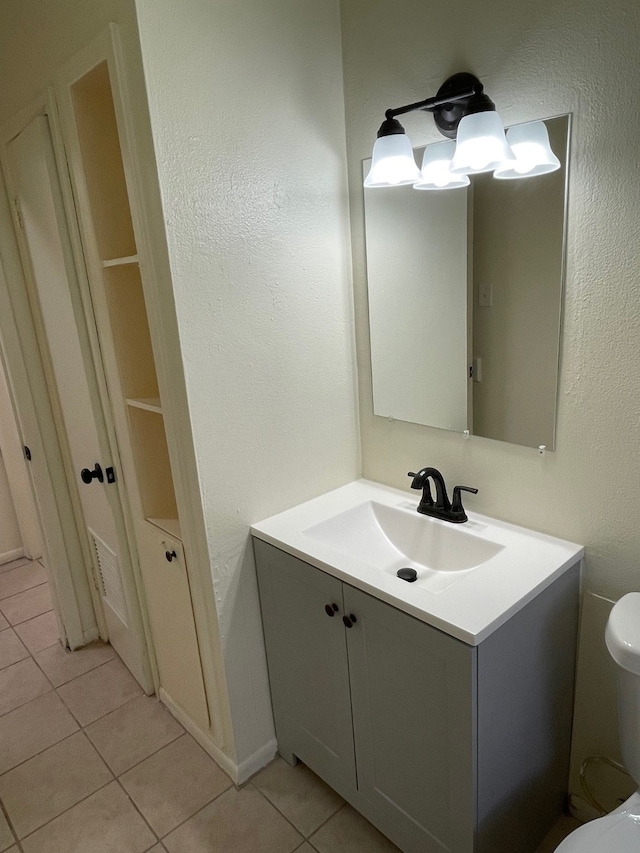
(91, 635)
(250, 766)
(239, 773)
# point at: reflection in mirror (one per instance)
(465, 294)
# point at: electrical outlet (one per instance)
(485, 294)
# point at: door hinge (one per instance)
(16, 205)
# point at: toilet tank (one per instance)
(623, 641)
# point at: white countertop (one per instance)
(473, 606)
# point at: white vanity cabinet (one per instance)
(444, 746)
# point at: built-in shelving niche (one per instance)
(127, 354)
(127, 311)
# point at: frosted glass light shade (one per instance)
(481, 144)
(392, 163)
(436, 174)
(530, 145)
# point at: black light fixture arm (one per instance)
(459, 95)
(430, 104)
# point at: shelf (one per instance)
(149, 404)
(120, 262)
(169, 525)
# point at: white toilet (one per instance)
(619, 832)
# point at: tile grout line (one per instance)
(39, 650)
(26, 589)
(137, 764)
(273, 805)
(212, 800)
(68, 651)
(81, 728)
(19, 638)
(304, 837)
(22, 591)
(22, 704)
(155, 834)
(36, 754)
(320, 825)
(24, 621)
(5, 814)
(84, 799)
(35, 615)
(325, 822)
(66, 683)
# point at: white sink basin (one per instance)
(392, 537)
(471, 577)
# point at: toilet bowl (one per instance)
(619, 832)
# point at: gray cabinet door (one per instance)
(308, 670)
(413, 701)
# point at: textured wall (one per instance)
(536, 60)
(248, 122)
(37, 38)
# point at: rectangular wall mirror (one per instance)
(465, 301)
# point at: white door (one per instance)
(49, 267)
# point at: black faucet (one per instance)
(442, 507)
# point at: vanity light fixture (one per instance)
(392, 162)
(460, 109)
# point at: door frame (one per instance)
(85, 578)
(15, 462)
(43, 124)
(65, 556)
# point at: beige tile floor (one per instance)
(89, 764)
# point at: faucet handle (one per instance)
(422, 482)
(456, 504)
(418, 479)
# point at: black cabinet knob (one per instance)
(170, 555)
(88, 476)
(331, 609)
(349, 620)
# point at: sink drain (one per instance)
(409, 575)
